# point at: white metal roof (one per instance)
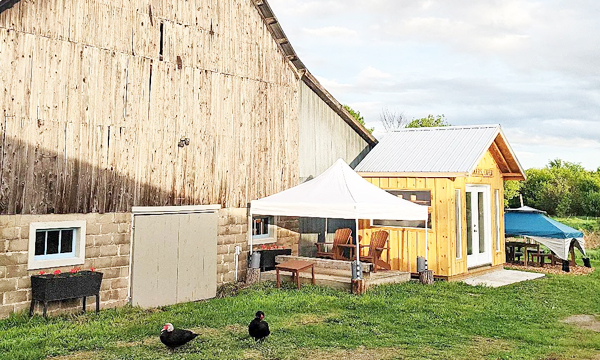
(452, 149)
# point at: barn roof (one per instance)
(451, 151)
(278, 34)
(6, 4)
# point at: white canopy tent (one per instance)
(340, 193)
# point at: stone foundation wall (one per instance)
(107, 246)
(108, 238)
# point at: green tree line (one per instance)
(561, 188)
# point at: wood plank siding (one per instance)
(408, 243)
(325, 136)
(96, 96)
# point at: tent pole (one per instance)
(358, 268)
(426, 244)
(250, 227)
(325, 237)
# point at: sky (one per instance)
(531, 66)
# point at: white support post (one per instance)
(250, 227)
(358, 267)
(426, 244)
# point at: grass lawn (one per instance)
(408, 321)
(586, 223)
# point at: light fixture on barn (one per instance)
(184, 141)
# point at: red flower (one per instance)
(56, 272)
(92, 268)
(73, 270)
(42, 272)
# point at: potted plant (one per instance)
(57, 286)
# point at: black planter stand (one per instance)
(267, 258)
(46, 288)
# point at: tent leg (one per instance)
(250, 228)
(358, 271)
(426, 244)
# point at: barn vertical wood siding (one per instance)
(93, 105)
(325, 136)
(408, 243)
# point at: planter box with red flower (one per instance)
(63, 286)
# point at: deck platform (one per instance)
(337, 274)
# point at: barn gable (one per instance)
(103, 94)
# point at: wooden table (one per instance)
(295, 266)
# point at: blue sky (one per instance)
(531, 66)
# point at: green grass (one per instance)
(586, 223)
(407, 321)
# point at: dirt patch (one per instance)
(481, 347)
(360, 353)
(85, 355)
(592, 240)
(556, 269)
(586, 322)
(306, 319)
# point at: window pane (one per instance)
(458, 219)
(497, 207)
(482, 228)
(40, 242)
(260, 226)
(52, 242)
(469, 224)
(66, 241)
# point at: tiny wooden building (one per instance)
(459, 173)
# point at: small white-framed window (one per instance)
(54, 244)
(263, 230)
(458, 223)
(497, 203)
(421, 197)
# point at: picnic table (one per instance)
(512, 247)
(295, 266)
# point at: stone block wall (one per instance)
(107, 247)
(108, 243)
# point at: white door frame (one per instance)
(478, 258)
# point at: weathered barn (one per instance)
(459, 173)
(123, 122)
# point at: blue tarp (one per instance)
(518, 223)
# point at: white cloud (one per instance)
(533, 66)
(331, 31)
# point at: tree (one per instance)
(512, 189)
(429, 121)
(358, 117)
(561, 188)
(392, 120)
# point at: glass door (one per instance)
(479, 236)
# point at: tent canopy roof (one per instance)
(340, 193)
(535, 223)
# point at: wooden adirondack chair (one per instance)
(379, 243)
(341, 237)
